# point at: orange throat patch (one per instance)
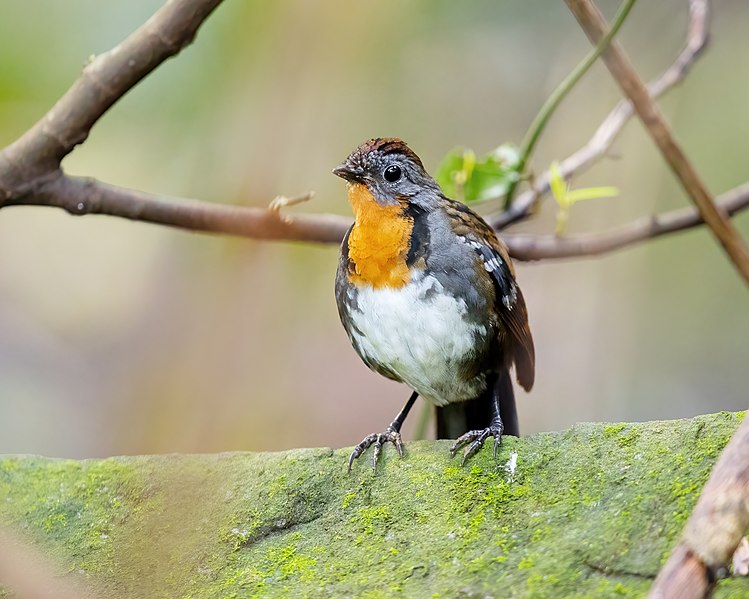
(379, 242)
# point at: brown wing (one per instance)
(510, 304)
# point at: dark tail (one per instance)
(457, 418)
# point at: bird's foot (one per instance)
(474, 440)
(378, 440)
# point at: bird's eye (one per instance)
(392, 173)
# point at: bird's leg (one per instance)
(476, 438)
(392, 434)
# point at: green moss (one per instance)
(286, 562)
(347, 499)
(624, 435)
(589, 512)
(612, 430)
(370, 518)
(526, 563)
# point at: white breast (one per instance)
(418, 332)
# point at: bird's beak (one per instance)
(352, 174)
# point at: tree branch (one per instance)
(618, 64)
(531, 247)
(27, 178)
(555, 99)
(82, 195)
(715, 528)
(608, 131)
(108, 77)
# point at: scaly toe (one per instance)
(474, 447)
(463, 440)
(378, 440)
(475, 441)
(497, 443)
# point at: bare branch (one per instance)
(81, 195)
(532, 247)
(611, 127)
(560, 92)
(715, 528)
(107, 78)
(27, 178)
(618, 64)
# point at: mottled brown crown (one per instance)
(383, 146)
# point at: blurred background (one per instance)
(126, 338)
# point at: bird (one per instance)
(427, 295)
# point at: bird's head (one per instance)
(390, 171)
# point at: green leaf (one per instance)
(450, 171)
(508, 155)
(557, 184)
(591, 193)
(464, 177)
(566, 197)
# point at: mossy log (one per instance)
(592, 511)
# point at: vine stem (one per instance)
(555, 99)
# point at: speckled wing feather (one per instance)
(509, 303)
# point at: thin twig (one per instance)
(609, 130)
(564, 88)
(536, 247)
(618, 64)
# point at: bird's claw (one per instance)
(378, 440)
(475, 441)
